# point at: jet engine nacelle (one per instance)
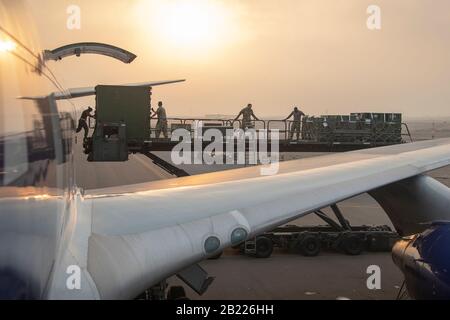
(425, 261)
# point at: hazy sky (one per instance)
(317, 54)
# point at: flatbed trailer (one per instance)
(311, 240)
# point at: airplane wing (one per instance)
(89, 91)
(141, 234)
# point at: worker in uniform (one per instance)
(295, 127)
(161, 125)
(82, 122)
(247, 114)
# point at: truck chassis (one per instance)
(310, 240)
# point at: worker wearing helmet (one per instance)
(247, 114)
(161, 125)
(82, 122)
(295, 127)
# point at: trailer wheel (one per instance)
(264, 247)
(353, 245)
(310, 246)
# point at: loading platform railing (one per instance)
(373, 134)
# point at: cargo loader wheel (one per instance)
(264, 247)
(309, 246)
(352, 245)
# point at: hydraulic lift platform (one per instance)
(283, 146)
(123, 125)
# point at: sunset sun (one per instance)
(192, 26)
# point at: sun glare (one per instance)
(6, 46)
(189, 25)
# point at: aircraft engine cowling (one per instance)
(425, 261)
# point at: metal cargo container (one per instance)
(128, 105)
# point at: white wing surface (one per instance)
(141, 234)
